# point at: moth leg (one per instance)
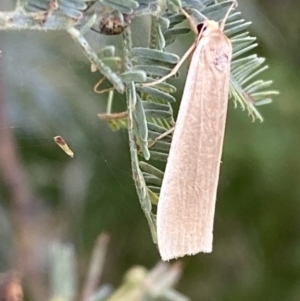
(174, 70)
(166, 133)
(188, 53)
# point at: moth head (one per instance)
(206, 27)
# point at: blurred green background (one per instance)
(48, 89)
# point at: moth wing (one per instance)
(186, 206)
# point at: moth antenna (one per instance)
(191, 21)
(222, 24)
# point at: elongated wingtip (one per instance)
(167, 256)
(172, 249)
(184, 229)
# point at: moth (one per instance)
(186, 207)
